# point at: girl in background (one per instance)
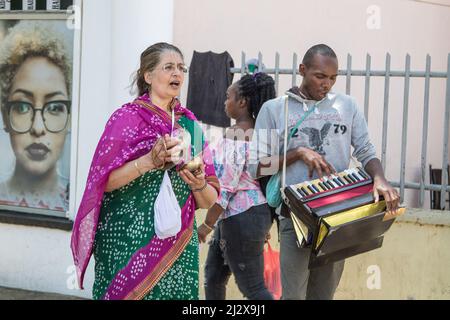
(242, 214)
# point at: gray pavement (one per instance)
(18, 294)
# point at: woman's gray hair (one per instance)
(150, 58)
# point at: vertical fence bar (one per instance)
(260, 63)
(426, 104)
(444, 179)
(387, 79)
(243, 67)
(277, 71)
(349, 74)
(405, 127)
(294, 70)
(367, 88)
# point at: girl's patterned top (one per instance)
(239, 191)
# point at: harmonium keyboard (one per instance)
(337, 216)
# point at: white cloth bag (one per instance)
(167, 211)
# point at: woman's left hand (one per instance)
(196, 179)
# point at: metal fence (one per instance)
(407, 74)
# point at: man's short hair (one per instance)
(321, 49)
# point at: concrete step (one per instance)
(19, 294)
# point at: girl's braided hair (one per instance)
(256, 89)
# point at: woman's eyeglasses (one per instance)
(171, 67)
(54, 113)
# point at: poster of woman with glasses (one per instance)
(35, 94)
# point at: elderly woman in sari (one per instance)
(116, 219)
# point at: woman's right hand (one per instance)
(166, 150)
(316, 162)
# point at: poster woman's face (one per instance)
(37, 83)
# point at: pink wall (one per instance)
(348, 26)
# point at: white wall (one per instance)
(148, 22)
(39, 259)
(114, 33)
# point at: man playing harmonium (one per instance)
(320, 146)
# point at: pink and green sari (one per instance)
(131, 262)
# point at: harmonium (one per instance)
(337, 216)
